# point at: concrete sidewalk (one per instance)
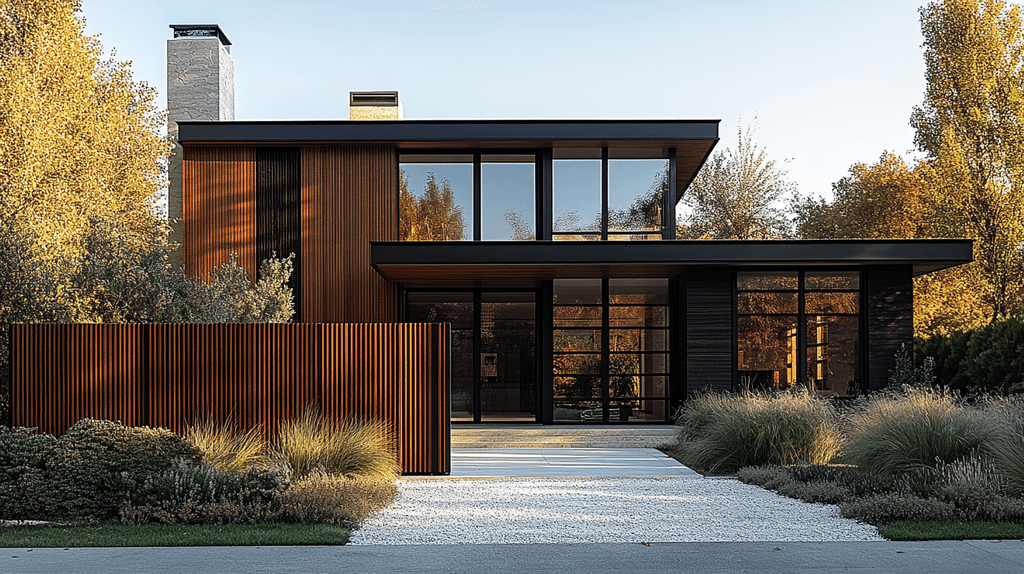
(562, 463)
(706, 557)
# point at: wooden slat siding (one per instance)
(890, 295)
(349, 198)
(256, 374)
(64, 373)
(279, 211)
(709, 337)
(219, 207)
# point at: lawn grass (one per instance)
(173, 535)
(948, 530)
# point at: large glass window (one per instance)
(508, 197)
(493, 360)
(576, 194)
(610, 350)
(637, 185)
(435, 197)
(770, 306)
(613, 193)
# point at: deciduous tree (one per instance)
(739, 194)
(883, 200)
(971, 125)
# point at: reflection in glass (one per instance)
(576, 198)
(638, 291)
(507, 197)
(766, 351)
(507, 357)
(632, 374)
(635, 191)
(626, 340)
(637, 316)
(767, 302)
(570, 316)
(767, 280)
(577, 292)
(435, 198)
(835, 302)
(832, 354)
(832, 280)
(454, 308)
(578, 340)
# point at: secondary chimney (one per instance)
(200, 86)
(374, 106)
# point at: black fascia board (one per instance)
(399, 131)
(924, 254)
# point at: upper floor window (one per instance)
(595, 194)
(462, 197)
(609, 193)
(435, 197)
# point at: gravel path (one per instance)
(532, 511)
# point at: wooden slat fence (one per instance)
(169, 374)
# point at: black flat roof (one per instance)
(404, 131)
(482, 261)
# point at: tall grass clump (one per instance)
(226, 449)
(920, 429)
(350, 447)
(723, 432)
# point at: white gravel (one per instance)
(537, 511)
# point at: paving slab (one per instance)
(562, 463)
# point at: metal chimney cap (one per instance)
(200, 31)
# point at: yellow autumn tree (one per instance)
(78, 137)
(883, 200)
(971, 125)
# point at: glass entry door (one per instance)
(494, 351)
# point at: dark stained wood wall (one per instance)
(219, 207)
(890, 321)
(279, 211)
(349, 198)
(709, 326)
(324, 203)
(62, 373)
(256, 374)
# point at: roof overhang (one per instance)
(507, 263)
(693, 140)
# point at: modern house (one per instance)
(548, 245)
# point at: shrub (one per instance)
(93, 468)
(331, 499)
(22, 462)
(723, 432)
(189, 493)
(892, 507)
(225, 449)
(989, 358)
(921, 429)
(350, 448)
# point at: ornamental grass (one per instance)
(724, 432)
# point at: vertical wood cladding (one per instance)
(219, 207)
(63, 373)
(279, 211)
(890, 294)
(349, 198)
(709, 326)
(256, 374)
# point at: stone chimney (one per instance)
(200, 86)
(374, 106)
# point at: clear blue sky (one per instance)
(831, 83)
